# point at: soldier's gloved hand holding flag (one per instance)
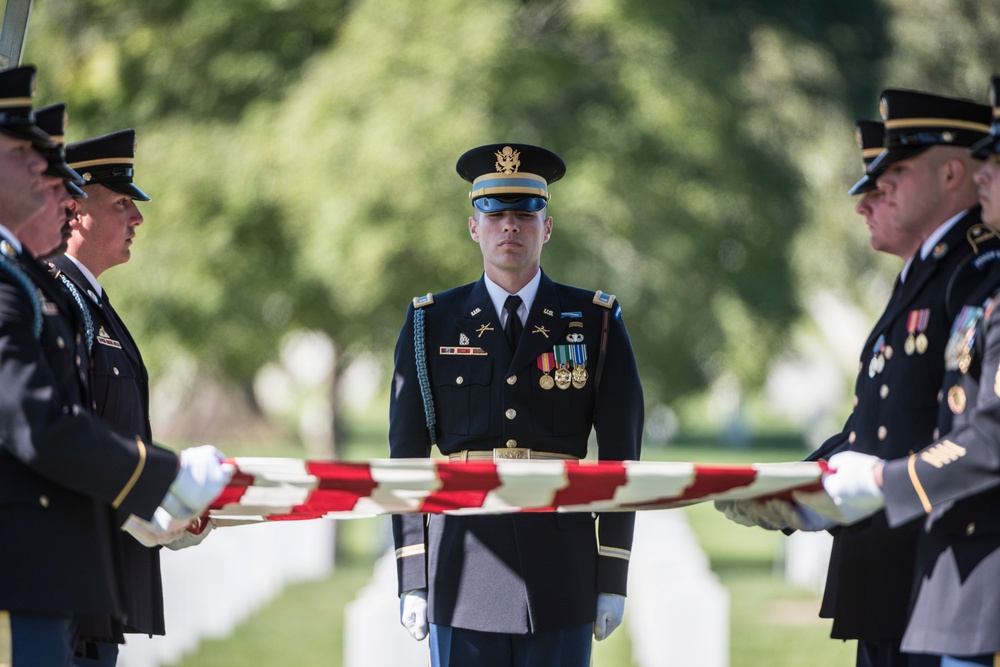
(200, 480)
(853, 487)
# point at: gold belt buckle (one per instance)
(511, 453)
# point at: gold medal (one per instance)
(564, 378)
(921, 343)
(956, 399)
(579, 377)
(964, 363)
(910, 346)
(546, 382)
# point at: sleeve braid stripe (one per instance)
(614, 552)
(411, 550)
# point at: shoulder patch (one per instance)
(421, 301)
(602, 299)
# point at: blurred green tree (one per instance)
(300, 155)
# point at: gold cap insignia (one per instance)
(508, 160)
(883, 108)
(948, 136)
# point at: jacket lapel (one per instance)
(545, 325)
(481, 324)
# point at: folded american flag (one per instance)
(277, 489)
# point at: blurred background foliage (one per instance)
(300, 155)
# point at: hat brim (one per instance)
(127, 189)
(29, 132)
(75, 190)
(497, 204)
(866, 184)
(985, 147)
(59, 168)
(895, 154)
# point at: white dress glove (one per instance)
(733, 510)
(767, 514)
(852, 487)
(201, 479)
(610, 612)
(190, 538)
(162, 529)
(413, 612)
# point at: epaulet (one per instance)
(979, 234)
(602, 299)
(421, 301)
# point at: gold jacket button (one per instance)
(78, 362)
(511, 443)
(852, 437)
(970, 529)
(512, 379)
(511, 413)
(883, 391)
(887, 352)
(883, 432)
(43, 501)
(458, 380)
(940, 395)
(936, 434)
(60, 342)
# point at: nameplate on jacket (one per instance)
(462, 351)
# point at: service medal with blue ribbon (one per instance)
(877, 364)
(958, 351)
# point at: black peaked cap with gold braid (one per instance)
(107, 160)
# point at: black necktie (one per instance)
(513, 327)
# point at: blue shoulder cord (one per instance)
(420, 350)
(88, 321)
(29, 287)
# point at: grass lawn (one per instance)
(772, 623)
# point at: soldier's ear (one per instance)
(473, 226)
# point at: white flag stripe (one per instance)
(275, 471)
(652, 480)
(526, 484)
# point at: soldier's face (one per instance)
(987, 178)
(43, 234)
(885, 237)
(511, 241)
(103, 229)
(22, 191)
(912, 190)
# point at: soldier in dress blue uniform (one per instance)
(513, 366)
(102, 229)
(952, 486)
(61, 469)
(924, 173)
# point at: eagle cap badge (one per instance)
(508, 160)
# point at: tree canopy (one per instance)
(300, 155)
